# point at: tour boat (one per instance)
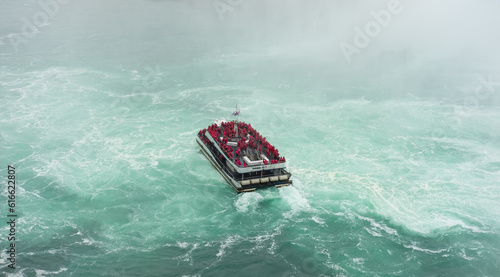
(245, 159)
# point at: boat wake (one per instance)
(248, 202)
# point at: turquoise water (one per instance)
(395, 170)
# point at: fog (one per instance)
(393, 48)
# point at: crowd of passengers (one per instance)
(248, 138)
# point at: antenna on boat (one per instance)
(236, 112)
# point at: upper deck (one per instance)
(242, 147)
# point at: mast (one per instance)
(236, 113)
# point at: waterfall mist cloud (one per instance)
(421, 47)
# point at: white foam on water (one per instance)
(464, 255)
(265, 241)
(416, 248)
(19, 273)
(186, 257)
(230, 240)
(296, 200)
(318, 220)
(358, 261)
(377, 228)
(432, 207)
(248, 202)
(44, 273)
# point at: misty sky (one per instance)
(397, 43)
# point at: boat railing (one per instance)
(246, 176)
(259, 174)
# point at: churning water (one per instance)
(387, 113)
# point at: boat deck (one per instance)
(243, 157)
(243, 145)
